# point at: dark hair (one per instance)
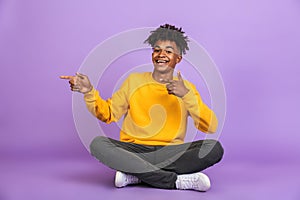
(171, 33)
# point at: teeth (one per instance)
(161, 61)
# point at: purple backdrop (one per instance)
(255, 45)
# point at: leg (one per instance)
(190, 157)
(132, 159)
(187, 159)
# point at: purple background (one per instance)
(255, 45)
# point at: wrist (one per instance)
(185, 92)
(88, 90)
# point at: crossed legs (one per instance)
(157, 166)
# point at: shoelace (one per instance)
(189, 182)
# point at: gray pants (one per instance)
(157, 166)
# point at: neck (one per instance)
(162, 76)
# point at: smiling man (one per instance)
(155, 106)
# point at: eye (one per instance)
(156, 50)
(169, 52)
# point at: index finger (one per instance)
(166, 81)
(67, 77)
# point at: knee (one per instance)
(96, 144)
(218, 150)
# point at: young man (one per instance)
(155, 107)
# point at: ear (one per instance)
(178, 59)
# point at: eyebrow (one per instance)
(167, 47)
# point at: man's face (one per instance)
(165, 55)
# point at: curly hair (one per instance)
(171, 33)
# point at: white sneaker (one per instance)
(122, 179)
(197, 181)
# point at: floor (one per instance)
(43, 179)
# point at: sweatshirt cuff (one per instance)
(89, 96)
(188, 96)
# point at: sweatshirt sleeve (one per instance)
(109, 110)
(204, 118)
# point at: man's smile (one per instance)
(159, 61)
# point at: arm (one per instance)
(106, 110)
(204, 118)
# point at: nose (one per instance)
(162, 54)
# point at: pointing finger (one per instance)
(164, 80)
(167, 81)
(67, 77)
(169, 86)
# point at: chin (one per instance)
(159, 67)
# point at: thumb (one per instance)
(82, 76)
(179, 76)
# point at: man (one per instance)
(155, 107)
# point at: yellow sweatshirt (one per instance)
(151, 115)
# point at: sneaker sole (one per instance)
(119, 180)
(205, 182)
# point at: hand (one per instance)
(79, 83)
(176, 87)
